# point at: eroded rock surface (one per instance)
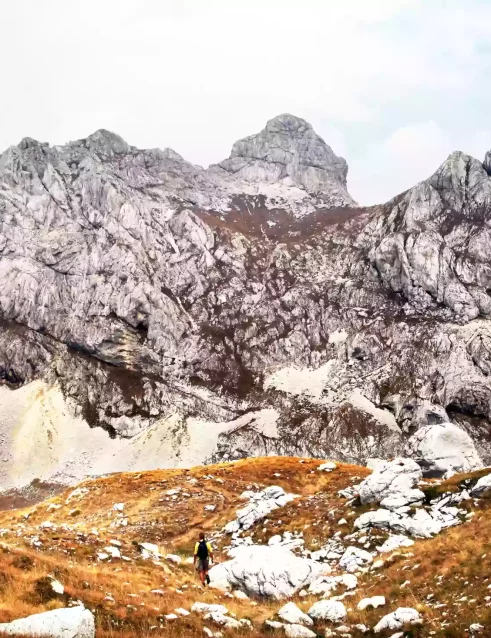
(252, 300)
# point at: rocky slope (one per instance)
(302, 548)
(154, 313)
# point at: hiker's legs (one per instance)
(202, 575)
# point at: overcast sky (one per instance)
(392, 85)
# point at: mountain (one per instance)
(157, 314)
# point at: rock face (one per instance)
(72, 622)
(289, 150)
(156, 300)
(444, 449)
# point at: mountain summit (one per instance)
(289, 149)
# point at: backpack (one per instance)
(202, 550)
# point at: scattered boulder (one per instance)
(482, 486)
(327, 467)
(224, 621)
(391, 479)
(374, 602)
(394, 542)
(112, 551)
(397, 619)
(443, 449)
(476, 628)
(68, 622)
(331, 610)
(149, 550)
(205, 608)
(328, 584)
(421, 524)
(260, 570)
(299, 631)
(260, 505)
(290, 613)
(354, 559)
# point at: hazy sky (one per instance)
(392, 85)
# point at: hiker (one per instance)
(202, 555)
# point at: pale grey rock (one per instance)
(398, 619)
(138, 285)
(374, 602)
(70, 622)
(331, 610)
(298, 631)
(260, 505)
(421, 524)
(395, 541)
(482, 486)
(392, 479)
(288, 149)
(272, 572)
(207, 608)
(329, 466)
(354, 559)
(290, 613)
(444, 449)
(327, 584)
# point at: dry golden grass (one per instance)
(120, 592)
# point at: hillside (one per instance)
(444, 578)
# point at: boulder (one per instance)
(69, 622)
(149, 550)
(391, 479)
(260, 505)
(394, 542)
(327, 467)
(298, 631)
(205, 608)
(290, 613)
(482, 486)
(260, 570)
(443, 449)
(421, 524)
(331, 610)
(355, 558)
(327, 584)
(224, 621)
(374, 602)
(397, 619)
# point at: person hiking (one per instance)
(202, 555)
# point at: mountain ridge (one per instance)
(159, 297)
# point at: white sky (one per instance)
(392, 85)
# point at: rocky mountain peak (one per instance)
(288, 150)
(105, 143)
